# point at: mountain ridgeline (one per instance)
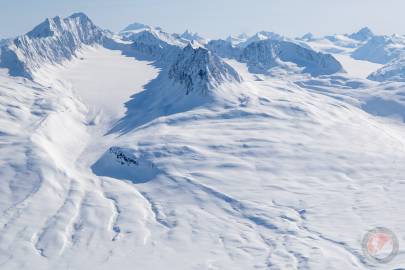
(59, 39)
(263, 55)
(199, 70)
(51, 42)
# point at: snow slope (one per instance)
(381, 49)
(357, 68)
(262, 56)
(111, 79)
(209, 167)
(393, 71)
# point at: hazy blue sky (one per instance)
(215, 18)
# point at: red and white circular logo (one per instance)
(380, 245)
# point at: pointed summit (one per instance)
(199, 70)
(51, 42)
(363, 34)
(48, 28)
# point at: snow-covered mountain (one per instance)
(224, 48)
(262, 35)
(393, 71)
(135, 27)
(154, 152)
(264, 55)
(381, 49)
(51, 42)
(193, 37)
(237, 39)
(339, 43)
(199, 70)
(363, 34)
(154, 42)
(308, 37)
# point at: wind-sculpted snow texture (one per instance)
(51, 42)
(155, 152)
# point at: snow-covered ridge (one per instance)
(51, 42)
(150, 35)
(135, 27)
(198, 70)
(381, 49)
(393, 71)
(224, 48)
(363, 34)
(154, 42)
(264, 55)
(193, 37)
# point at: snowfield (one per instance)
(122, 158)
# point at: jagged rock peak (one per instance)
(52, 42)
(199, 70)
(57, 25)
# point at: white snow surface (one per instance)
(105, 79)
(381, 49)
(268, 172)
(357, 68)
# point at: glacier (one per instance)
(152, 150)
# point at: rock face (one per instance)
(381, 49)
(263, 55)
(53, 41)
(123, 163)
(393, 71)
(198, 70)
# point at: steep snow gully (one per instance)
(146, 151)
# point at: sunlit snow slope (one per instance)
(208, 167)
